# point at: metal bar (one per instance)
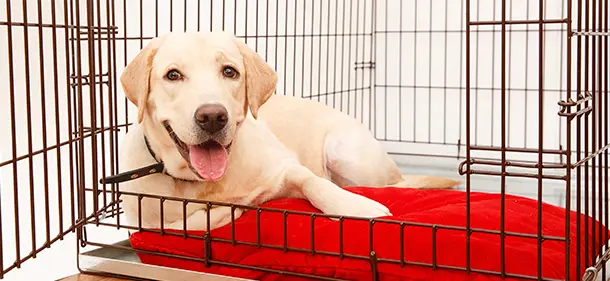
(591, 33)
(171, 15)
(518, 164)
(49, 148)
(356, 58)
(336, 17)
(373, 261)
(578, 141)
(462, 31)
(185, 15)
(415, 21)
(540, 133)
(79, 124)
(11, 82)
(303, 47)
(285, 81)
(364, 12)
(114, 99)
(399, 75)
(232, 225)
(184, 226)
(294, 46)
(161, 217)
(101, 100)
(44, 124)
(513, 22)
(258, 228)
(586, 134)
(606, 113)
(140, 212)
(29, 127)
(468, 134)
(71, 109)
(157, 19)
(568, 185)
(513, 149)
(478, 88)
(92, 108)
(402, 243)
(320, 50)
(44, 25)
(434, 258)
(112, 108)
(207, 237)
(371, 225)
(285, 230)
(327, 50)
(431, 16)
(385, 77)
(341, 255)
(515, 174)
(125, 27)
(594, 195)
(311, 84)
(304, 35)
(373, 72)
(600, 141)
(503, 146)
(198, 14)
(313, 234)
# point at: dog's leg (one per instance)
(355, 158)
(426, 182)
(219, 216)
(329, 198)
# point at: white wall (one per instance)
(426, 113)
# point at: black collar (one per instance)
(156, 168)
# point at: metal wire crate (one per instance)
(512, 89)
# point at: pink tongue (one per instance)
(209, 159)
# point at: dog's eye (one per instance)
(173, 75)
(230, 72)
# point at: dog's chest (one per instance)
(242, 192)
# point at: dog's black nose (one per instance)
(211, 117)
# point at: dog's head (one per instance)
(198, 87)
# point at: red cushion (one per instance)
(441, 207)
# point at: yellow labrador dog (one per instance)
(207, 112)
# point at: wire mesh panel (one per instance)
(41, 110)
(420, 79)
(552, 94)
(587, 112)
(320, 49)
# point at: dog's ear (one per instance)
(136, 76)
(261, 79)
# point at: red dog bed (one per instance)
(439, 207)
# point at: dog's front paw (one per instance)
(345, 203)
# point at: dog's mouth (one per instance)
(208, 160)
